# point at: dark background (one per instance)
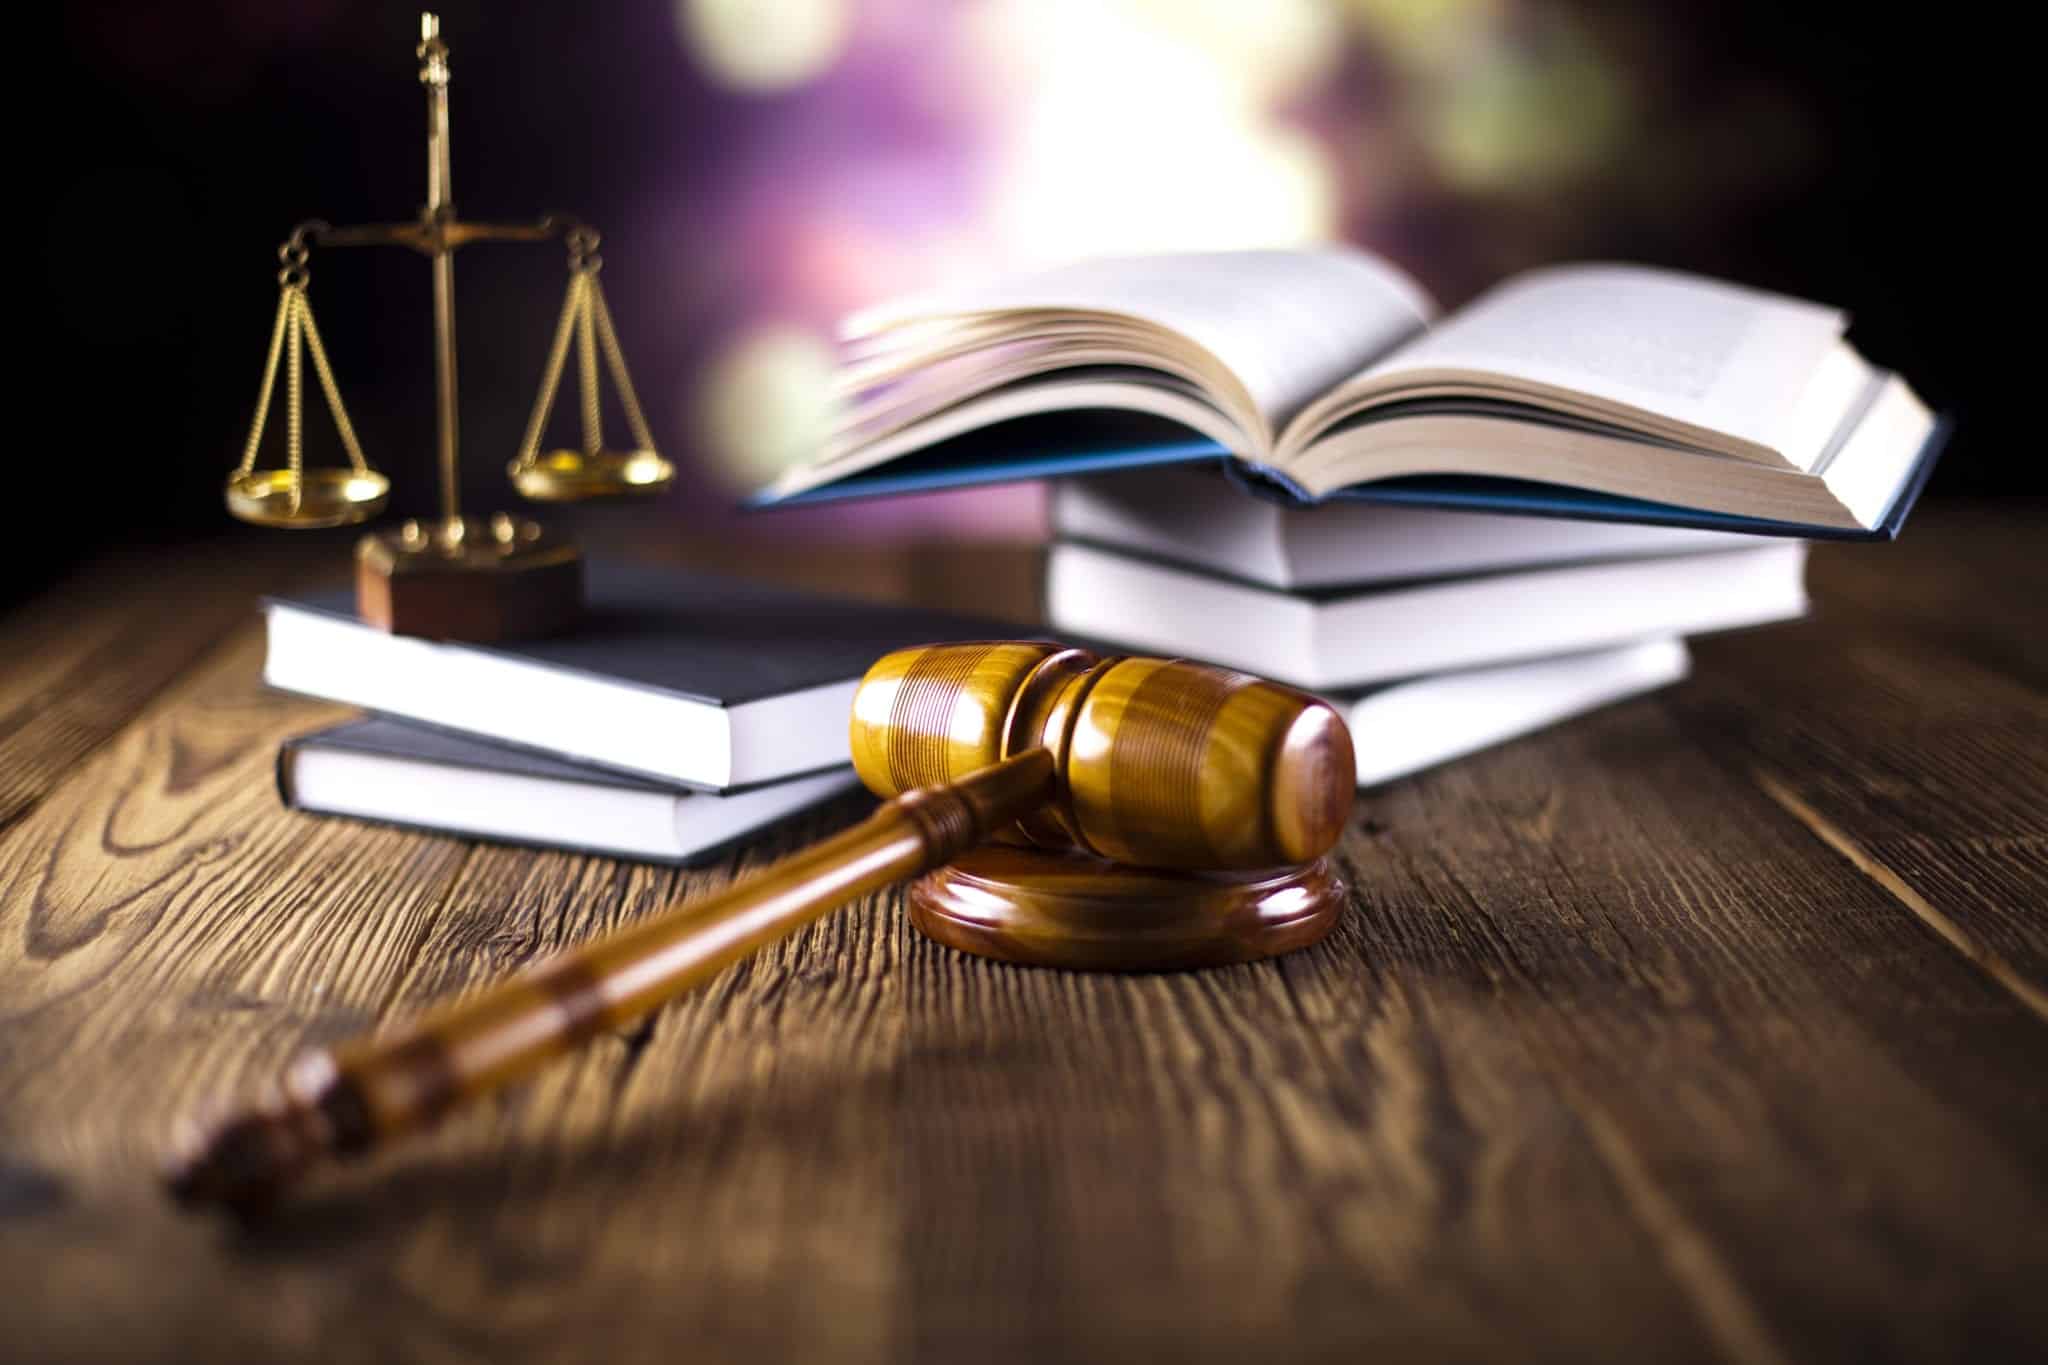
(1861, 157)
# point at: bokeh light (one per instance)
(1142, 126)
(1524, 113)
(765, 402)
(1429, 36)
(764, 45)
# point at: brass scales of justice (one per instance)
(456, 577)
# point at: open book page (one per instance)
(1873, 460)
(1286, 324)
(949, 381)
(1699, 359)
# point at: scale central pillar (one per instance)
(439, 212)
(464, 578)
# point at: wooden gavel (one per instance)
(1143, 762)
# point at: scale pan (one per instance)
(572, 475)
(325, 497)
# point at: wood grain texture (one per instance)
(1617, 1054)
(1910, 729)
(83, 658)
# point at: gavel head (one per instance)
(1162, 763)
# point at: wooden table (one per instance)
(1714, 1026)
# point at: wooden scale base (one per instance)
(1053, 909)
(474, 579)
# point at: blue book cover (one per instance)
(1064, 444)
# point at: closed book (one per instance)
(1410, 726)
(1345, 639)
(400, 774)
(1204, 520)
(672, 674)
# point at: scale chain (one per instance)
(263, 392)
(586, 365)
(294, 411)
(551, 376)
(342, 426)
(616, 359)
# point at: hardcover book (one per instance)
(1410, 726)
(1201, 519)
(1599, 391)
(1339, 639)
(400, 774)
(680, 676)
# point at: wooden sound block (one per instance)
(473, 579)
(1055, 909)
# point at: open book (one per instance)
(1606, 391)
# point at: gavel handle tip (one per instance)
(245, 1164)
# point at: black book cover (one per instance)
(718, 640)
(385, 738)
(380, 737)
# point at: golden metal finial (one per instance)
(432, 52)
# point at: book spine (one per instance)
(1266, 483)
(281, 772)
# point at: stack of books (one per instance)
(1674, 437)
(1436, 633)
(684, 713)
(1468, 525)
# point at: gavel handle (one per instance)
(368, 1091)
